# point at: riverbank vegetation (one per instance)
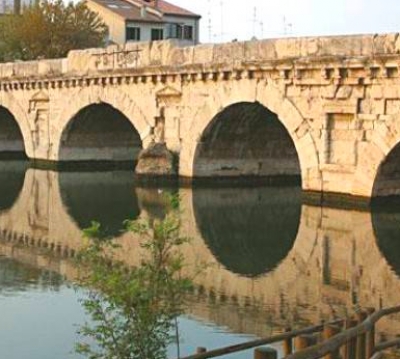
(133, 310)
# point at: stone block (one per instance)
(385, 43)
(264, 50)
(293, 91)
(287, 48)
(81, 61)
(302, 129)
(50, 67)
(392, 107)
(203, 54)
(342, 135)
(341, 106)
(391, 91)
(344, 92)
(377, 92)
(329, 92)
(367, 125)
(358, 92)
(227, 53)
(156, 160)
(365, 118)
(378, 107)
(26, 69)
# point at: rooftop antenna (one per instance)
(254, 20)
(209, 22)
(287, 27)
(290, 26)
(284, 26)
(262, 29)
(222, 20)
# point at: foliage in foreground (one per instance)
(133, 310)
(49, 29)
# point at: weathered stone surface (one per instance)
(156, 160)
(337, 98)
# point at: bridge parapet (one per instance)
(170, 57)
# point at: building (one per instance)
(146, 20)
(13, 6)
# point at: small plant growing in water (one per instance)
(133, 309)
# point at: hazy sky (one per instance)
(243, 19)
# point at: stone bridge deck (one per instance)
(324, 109)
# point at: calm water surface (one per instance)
(272, 261)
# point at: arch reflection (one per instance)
(386, 224)
(105, 197)
(249, 230)
(12, 176)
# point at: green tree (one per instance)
(49, 29)
(133, 309)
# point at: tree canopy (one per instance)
(49, 29)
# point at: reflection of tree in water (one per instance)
(18, 277)
(106, 197)
(12, 175)
(133, 309)
(386, 223)
(248, 230)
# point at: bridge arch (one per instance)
(94, 103)
(387, 180)
(16, 129)
(270, 99)
(99, 132)
(12, 143)
(378, 168)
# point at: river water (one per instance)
(272, 259)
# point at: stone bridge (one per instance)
(324, 109)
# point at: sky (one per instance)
(226, 20)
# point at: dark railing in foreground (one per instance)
(353, 338)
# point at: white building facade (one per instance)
(146, 20)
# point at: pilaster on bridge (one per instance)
(324, 109)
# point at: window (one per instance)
(133, 34)
(188, 32)
(157, 34)
(174, 31)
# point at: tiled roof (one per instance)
(128, 11)
(171, 9)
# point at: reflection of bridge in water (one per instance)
(272, 261)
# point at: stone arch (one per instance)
(114, 97)
(387, 180)
(12, 144)
(269, 96)
(10, 103)
(378, 168)
(99, 132)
